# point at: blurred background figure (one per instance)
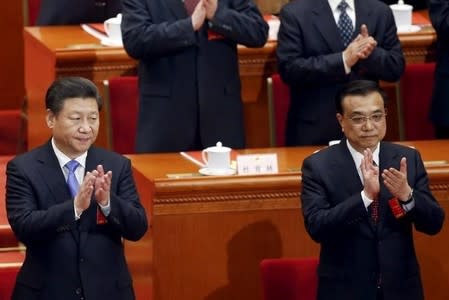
(439, 109)
(189, 80)
(67, 12)
(322, 45)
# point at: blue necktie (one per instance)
(344, 23)
(71, 178)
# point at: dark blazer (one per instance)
(439, 109)
(186, 80)
(310, 61)
(68, 259)
(66, 12)
(355, 252)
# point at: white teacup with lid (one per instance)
(402, 15)
(217, 158)
(112, 28)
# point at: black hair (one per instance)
(358, 88)
(70, 87)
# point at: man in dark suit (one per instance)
(361, 199)
(439, 109)
(189, 82)
(315, 59)
(71, 204)
(67, 12)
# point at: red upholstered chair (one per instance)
(415, 93)
(10, 263)
(278, 103)
(33, 11)
(12, 132)
(289, 278)
(121, 106)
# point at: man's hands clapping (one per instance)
(360, 48)
(370, 174)
(97, 182)
(204, 10)
(396, 181)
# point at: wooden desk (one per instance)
(55, 51)
(210, 233)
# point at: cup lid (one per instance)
(218, 148)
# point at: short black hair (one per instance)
(70, 87)
(358, 88)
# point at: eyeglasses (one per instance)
(360, 119)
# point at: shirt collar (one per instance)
(357, 156)
(63, 159)
(334, 3)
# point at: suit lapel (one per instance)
(49, 167)
(55, 180)
(349, 180)
(362, 16)
(326, 26)
(177, 8)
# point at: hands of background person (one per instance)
(102, 185)
(370, 174)
(211, 8)
(199, 15)
(369, 45)
(360, 48)
(82, 199)
(396, 181)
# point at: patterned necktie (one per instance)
(190, 5)
(344, 23)
(71, 178)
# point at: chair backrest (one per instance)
(278, 103)
(416, 93)
(121, 107)
(33, 11)
(289, 278)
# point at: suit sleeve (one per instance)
(427, 215)
(325, 218)
(241, 22)
(127, 213)
(386, 62)
(145, 39)
(294, 66)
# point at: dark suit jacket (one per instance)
(185, 80)
(66, 12)
(355, 252)
(439, 109)
(310, 61)
(67, 259)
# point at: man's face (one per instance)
(75, 127)
(363, 121)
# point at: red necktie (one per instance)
(375, 210)
(190, 5)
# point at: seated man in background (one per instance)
(361, 199)
(72, 204)
(71, 12)
(321, 46)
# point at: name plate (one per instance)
(250, 164)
